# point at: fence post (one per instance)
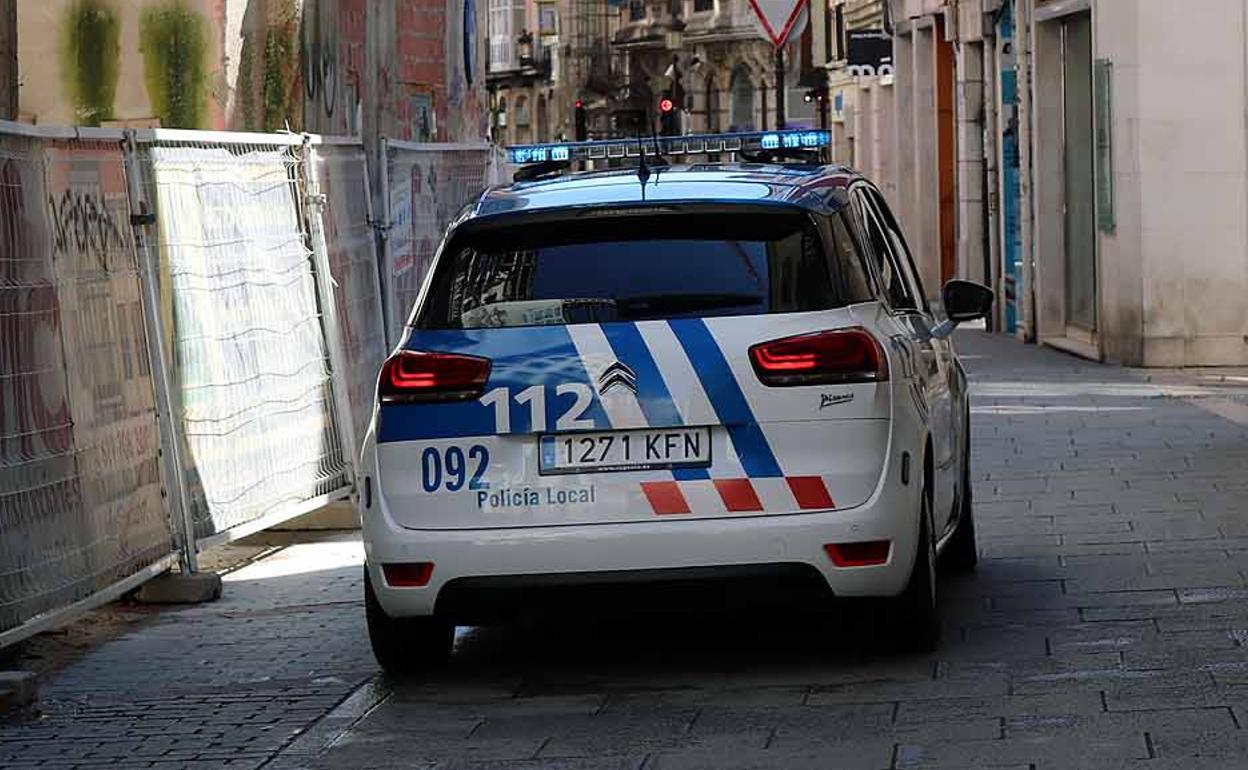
(383, 226)
(142, 216)
(314, 208)
(378, 253)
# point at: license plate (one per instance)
(626, 450)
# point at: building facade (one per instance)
(548, 61)
(1089, 159)
(1139, 245)
(619, 61)
(523, 72)
(711, 59)
(406, 69)
(857, 98)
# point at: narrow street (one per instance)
(1104, 629)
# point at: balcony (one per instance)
(525, 64)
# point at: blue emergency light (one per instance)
(669, 146)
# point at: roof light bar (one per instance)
(692, 144)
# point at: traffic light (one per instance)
(669, 120)
(582, 129)
(819, 95)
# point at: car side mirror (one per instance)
(963, 301)
(966, 301)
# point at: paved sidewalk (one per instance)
(1105, 629)
(221, 685)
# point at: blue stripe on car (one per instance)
(726, 397)
(521, 357)
(652, 394)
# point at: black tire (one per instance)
(961, 553)
(917, 616)
(405, 646)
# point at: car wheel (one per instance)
(961, 554)
(405, 646)
(917, 613)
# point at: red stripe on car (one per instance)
(810, 492)
(738, 495)
(665, 497)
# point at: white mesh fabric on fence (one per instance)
(252, 371)
(80, 498)
(427, 186)
(352, 246)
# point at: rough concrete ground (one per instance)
(1105, 629)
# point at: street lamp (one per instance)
(525, 39)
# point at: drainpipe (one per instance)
(991, 198)
(1027, 323)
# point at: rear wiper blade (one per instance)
(677, 302)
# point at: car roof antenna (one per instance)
(659, 160)
(643, 171)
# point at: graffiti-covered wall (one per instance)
(334, 34)
(426, 65)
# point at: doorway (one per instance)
(1079, 177)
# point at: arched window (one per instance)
(712, 105)
(522, 110)
(742, 88)
(523, 133)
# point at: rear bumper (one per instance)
(681, 591)
(585, 554)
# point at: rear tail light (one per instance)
(411, 375)
(866, 554)
(821, 358)
(408, 575)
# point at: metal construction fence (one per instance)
(338, 170)
(425, 186)
(80, 487)
(250, 366)
(190, 329)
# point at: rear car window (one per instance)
(634, 268)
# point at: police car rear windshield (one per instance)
(632, 268)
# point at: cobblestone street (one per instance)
(1105, 628)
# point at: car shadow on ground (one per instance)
(572, 655)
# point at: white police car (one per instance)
(684, 385)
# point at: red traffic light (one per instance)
(579, 104)
(665, 105)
